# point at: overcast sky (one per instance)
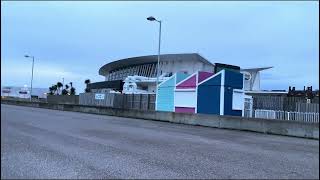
(74, 39)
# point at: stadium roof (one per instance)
(257, 69)
(127, 62)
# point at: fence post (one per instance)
(132, 99)
(251, 107)
(288, 114)
(140, 101)
(147, 101)
(266, 113)
(122, 100)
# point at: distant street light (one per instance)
(151, 18)
(26, 56)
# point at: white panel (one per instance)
(222, 92)
(185, 98)
(237, 100)
(256, 84)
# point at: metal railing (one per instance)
(286, 115)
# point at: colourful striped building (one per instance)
(203, 92)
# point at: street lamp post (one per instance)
(151, 18)
(31, 74)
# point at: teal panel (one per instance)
(166, 95)
(181, 76)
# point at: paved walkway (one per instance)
(42, 143)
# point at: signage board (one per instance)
(99, 96)
(6, 91)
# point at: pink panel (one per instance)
(203, 76)
(189, 83)
(185, 109)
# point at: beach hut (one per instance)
(221, 94)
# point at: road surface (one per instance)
(42, 143)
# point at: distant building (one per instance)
(292, 92)
(308, 93)
(23, 92)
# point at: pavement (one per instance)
(43, 143)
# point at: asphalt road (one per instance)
(42, 143)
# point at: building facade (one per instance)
(147, 65)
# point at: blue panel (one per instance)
(209, 96)
(233, 80)
(228, 103)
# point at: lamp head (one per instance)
(151, 18)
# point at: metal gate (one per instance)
(248, 106)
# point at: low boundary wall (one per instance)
(269, 126)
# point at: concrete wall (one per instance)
(279, 127)
(178, 65)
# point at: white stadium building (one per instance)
(138, 74)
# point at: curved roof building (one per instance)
(147, 65)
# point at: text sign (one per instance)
(99, 96)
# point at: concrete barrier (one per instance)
(269, 126)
